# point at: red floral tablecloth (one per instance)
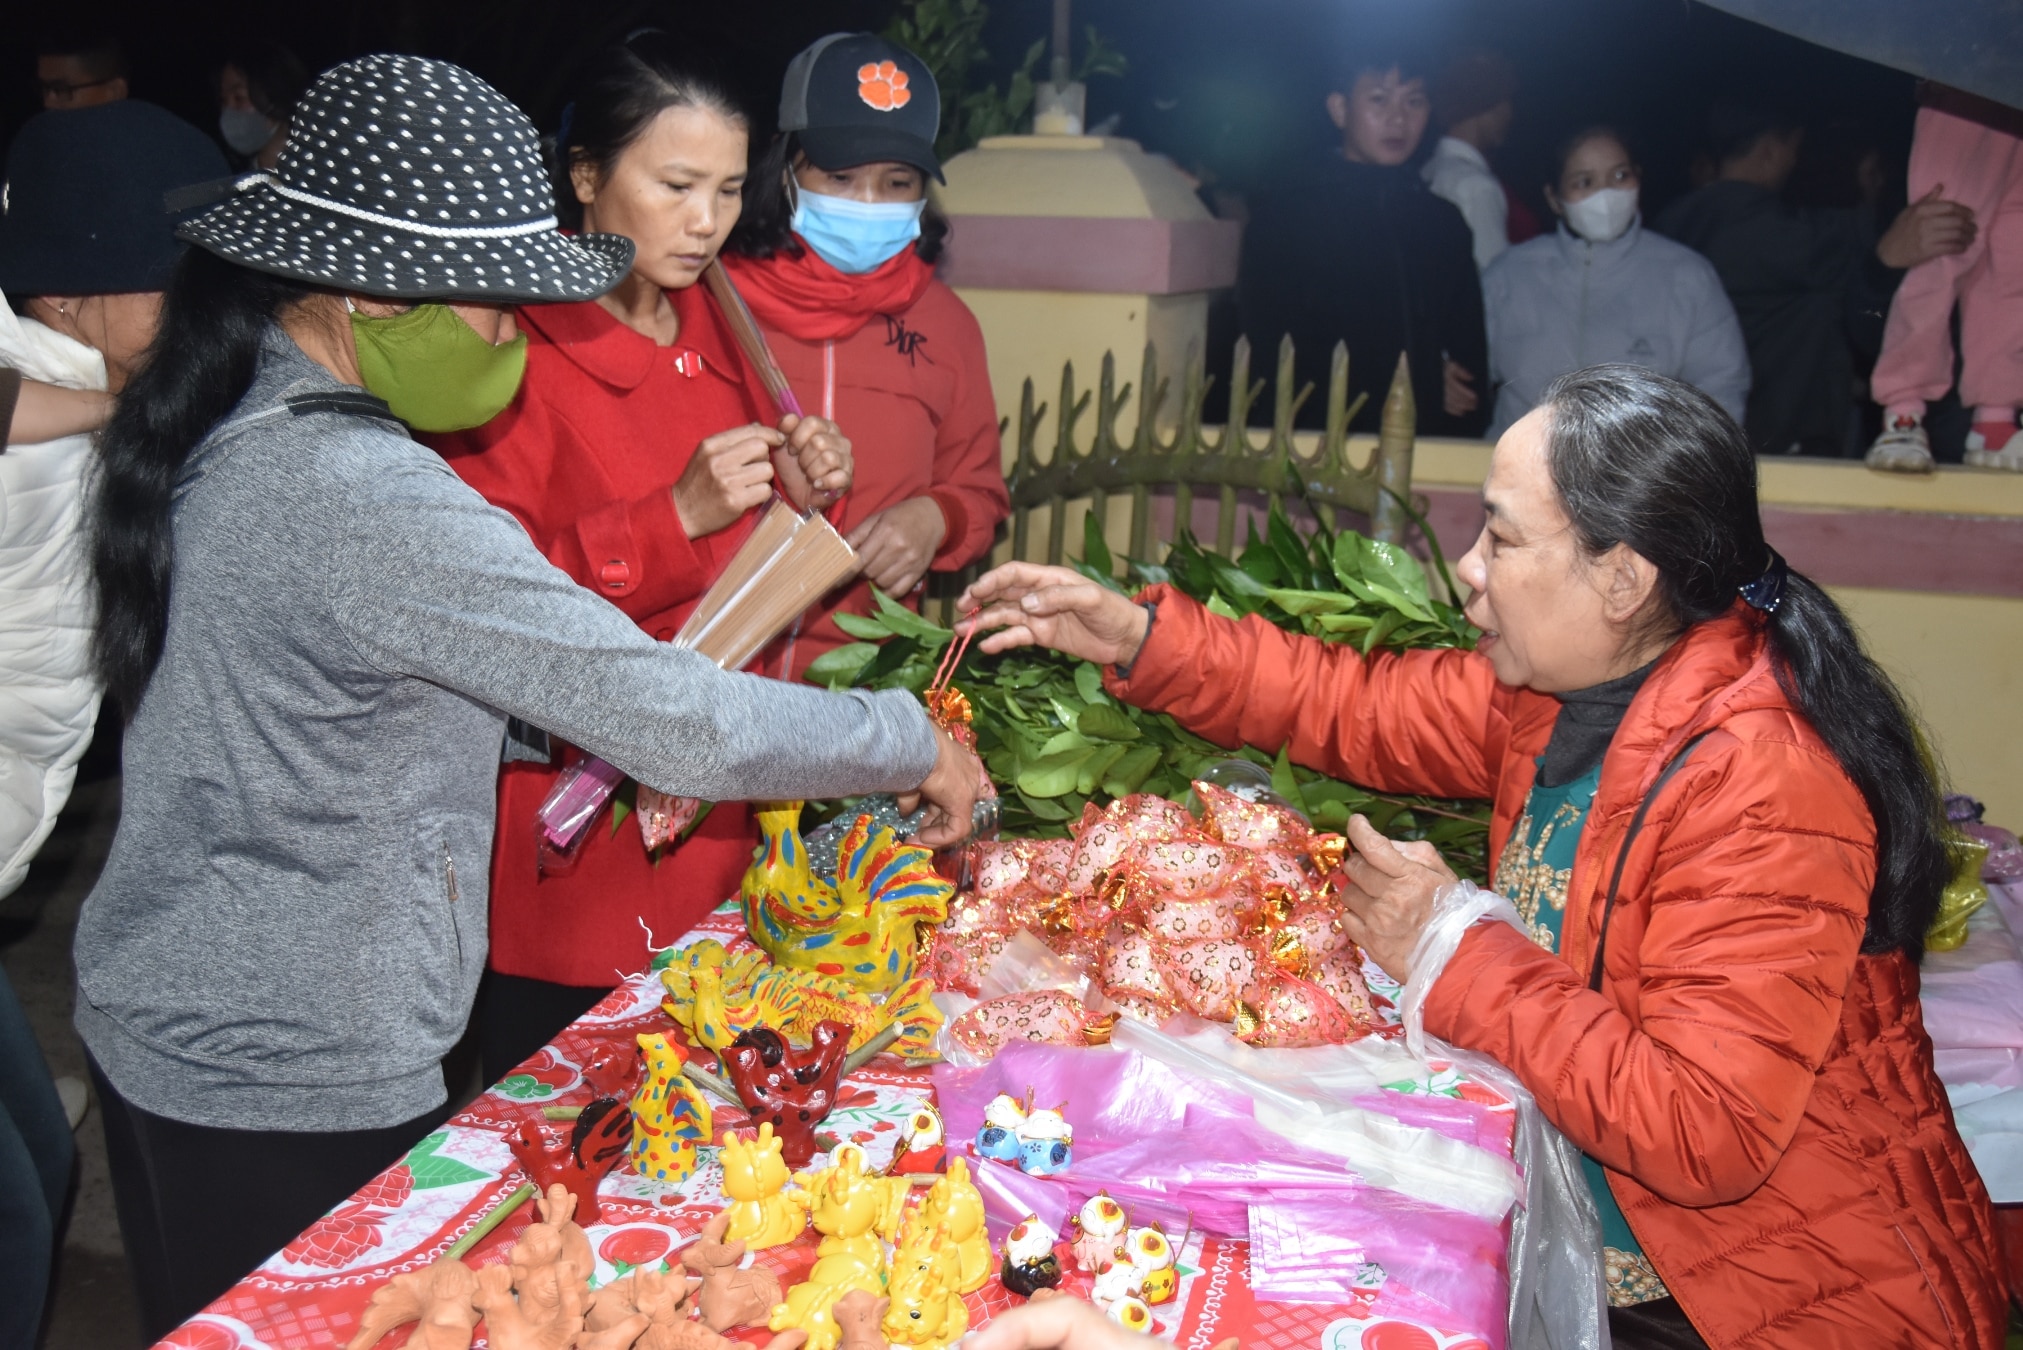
(312, 1292)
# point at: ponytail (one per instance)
(1651, 463)
(199, 366)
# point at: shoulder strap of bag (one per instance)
(1594, 979)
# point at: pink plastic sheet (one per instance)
(1181, 1150)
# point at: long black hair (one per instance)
(1648, 462)
(199, 366)
(767, 225)
(618, 94)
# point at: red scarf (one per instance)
(805, 298)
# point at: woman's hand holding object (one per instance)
(894, 546)
(950, 791)
(816, 465)
(1390, 893)
(730, 473)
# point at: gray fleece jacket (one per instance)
(290, 928)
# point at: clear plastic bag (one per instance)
(1558, 1299)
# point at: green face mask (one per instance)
(433, 369)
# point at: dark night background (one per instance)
(1228, 88)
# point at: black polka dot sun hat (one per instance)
(411, 179)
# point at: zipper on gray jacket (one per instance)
(449, 873)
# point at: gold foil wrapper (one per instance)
(1284, 1011)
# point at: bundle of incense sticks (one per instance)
(749, 339)
(785, 565)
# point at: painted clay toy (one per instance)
(790, 1089)
(670, 1116)
(1115, 1282)
(658, 1305)
(1132, 1314)
(438, 1296)
(861, 929)
(755, 1178)
(852, 1211)
(927, 1310)
(954, 1207)
(729, 1297)
(921, 1150)
(858, 1315)
(1001, 1122)
(579, 1159)
(715, 994)
(1046, 1143)
(1100, 1231)
(1149, 1250)
(1029, 1260)
(538, 1299)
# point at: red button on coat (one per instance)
(614, 574)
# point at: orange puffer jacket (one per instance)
(1761, 1093)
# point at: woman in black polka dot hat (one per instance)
(318, 633)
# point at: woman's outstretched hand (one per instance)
(1054, 607)
(1390, 894)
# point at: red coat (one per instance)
(911, 389)
(1761, 1093)
(586, 458)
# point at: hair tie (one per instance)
(1766, 593)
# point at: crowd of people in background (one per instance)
(559, 409)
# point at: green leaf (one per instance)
(1089, 683)
(1129, 773)
(1096, 766)
(1282, 780)
(906, 623)
(1310, 602)
(1052, 775)
(431, 1172)
(1096, 549)
(1218, 605)
(1388, 565)
(1106, 724)
(1379, 630)
(1048, 810)
(861, 626)
(1062, 742)
(840, 666)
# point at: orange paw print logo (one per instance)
(882, 84)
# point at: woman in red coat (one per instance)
(835, 255)
(636, 454)
(1723, 848)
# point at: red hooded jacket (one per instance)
(1761, 1093)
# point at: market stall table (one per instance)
(312, 1292)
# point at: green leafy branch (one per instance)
(1055, 739)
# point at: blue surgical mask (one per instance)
(853, 236)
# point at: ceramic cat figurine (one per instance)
(1046, 1143)
(1029, 1260)
(1002, 1120)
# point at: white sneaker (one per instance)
(1903, 448)
(2009, 456)
(76, 1099)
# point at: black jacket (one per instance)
(1362, 254)
(1789, 274)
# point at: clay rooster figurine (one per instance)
(580, 1159)
(790, 1089)
(861, 929)
(670, 1116)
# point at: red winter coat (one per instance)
(897, 362)
(1761, 1093)
(587, 457)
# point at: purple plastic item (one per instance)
(1170, 1147)
(578, 795)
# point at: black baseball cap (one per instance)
(855, 98)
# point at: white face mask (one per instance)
(244, 129)
(1603, 215)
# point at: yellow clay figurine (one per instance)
(670, 1116)
(846, 1207)
(861, 929)
(927, 1311)
(954, 1206)
(755, 1179)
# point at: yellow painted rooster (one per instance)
(861, 929)
(714, 996)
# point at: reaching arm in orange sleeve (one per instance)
(1751, 895)
(1416, 721)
